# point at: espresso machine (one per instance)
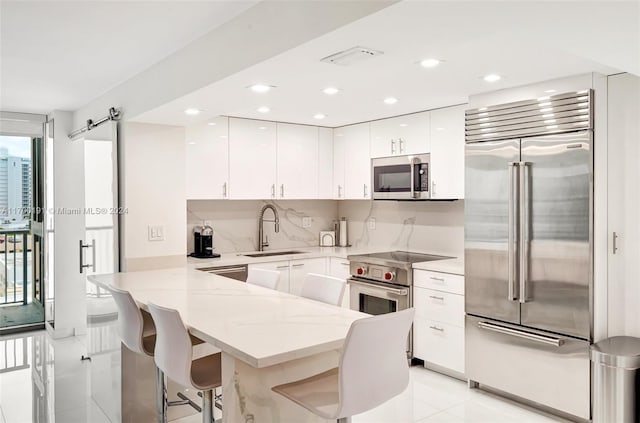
(203, 242)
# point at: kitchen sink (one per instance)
(273, 253)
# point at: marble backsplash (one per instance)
(430, 226)
(235, 222)
(436, 226)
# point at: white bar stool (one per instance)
(373, 369)
(174, 356)
(263, 277)
(138, 333)
(323, 288)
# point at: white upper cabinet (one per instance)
(297, 160)
(401, 135)
(252, 159)
(207, 156)
(338, 164)
(447, 153)
(325, 163)
(357, 161)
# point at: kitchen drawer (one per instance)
(439, 306)
(446, 282)
(439, 343)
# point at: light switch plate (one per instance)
(156, 232)
(306, 222)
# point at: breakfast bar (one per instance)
(266, 337)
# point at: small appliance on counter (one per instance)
(342, 232)
(327, 238)
(203, 242)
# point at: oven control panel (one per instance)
(379, 273)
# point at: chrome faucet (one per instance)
(265, 242)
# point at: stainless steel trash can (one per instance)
(616, 380)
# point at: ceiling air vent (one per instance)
(352, 55)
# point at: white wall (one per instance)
(428, 226)
(153, 181)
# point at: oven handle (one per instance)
(401, 292)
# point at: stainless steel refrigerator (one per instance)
(528, 249)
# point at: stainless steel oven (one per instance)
(401, 177)
(382, 283)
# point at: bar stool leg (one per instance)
(344, 420)
(207, 406)
(161, 396)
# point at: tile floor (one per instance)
(41, 378)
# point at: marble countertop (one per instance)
(454, 265)
(259, 326)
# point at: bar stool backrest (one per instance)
(130, 321)
(263, 277)
(327, 289)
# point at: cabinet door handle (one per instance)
(345, 264)
(282, 190)
(436, 298)
(615, 242)
(436, 279)
(298, 265)
(436, 328)
(339, 191)
(393, 147)
(365, 191)
(224, 190)
(401, 142)
(273, 190)
(433, 187)
(282, 267)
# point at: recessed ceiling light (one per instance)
(338, 135)
(404, 124)
(492, 77)
(192, 143)
(390, 100)
(319, 116)
(429, 63)
(192, 112)
(222, 136)
(264, 109)
(211, 124)
(261, 88)
(262, 127)
(439, 129)
(331, 90)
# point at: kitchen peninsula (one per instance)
(266, 337)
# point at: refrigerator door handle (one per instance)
(513, 230)
(524, 228)
(557, 342)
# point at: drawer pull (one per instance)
(436, 279)
(436, 298)
(298, 265)
(345, 264)
(436, 328)
(282, 267)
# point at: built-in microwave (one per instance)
(401, 177)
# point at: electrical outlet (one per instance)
(372, 223)
(306, 222)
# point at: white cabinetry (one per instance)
(299, 269)
(207, 155)
(339, 268)
(297, 161)
(352, 162)
(252, 159)
(408, 134)
(623, 193)
(447, 153)
(325, 163)
(279, 266)
(438, 327)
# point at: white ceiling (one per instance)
(62, 54)
(523, 41)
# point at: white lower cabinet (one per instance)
(438, 327)
(280, 266)
(339, 268)
(299, 269)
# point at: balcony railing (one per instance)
(15, 266)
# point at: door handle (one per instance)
(557, 342)
(82, 246)
(513, 244)
(524, 229)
